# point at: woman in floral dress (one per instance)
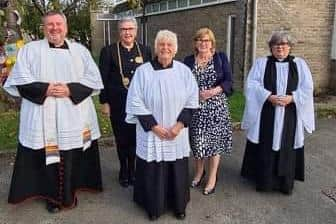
(210, 129)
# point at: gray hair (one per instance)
(165, 35)
(128, 19)
(280, 36)
(53, 13)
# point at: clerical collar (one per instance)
(287, 59)
(63, 46)
(158, 66)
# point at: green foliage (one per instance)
(236, 105)
(104, 122)
(328, 112)
(77, 12)
(8, 130)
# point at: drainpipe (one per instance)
(104, 32)
(254, 30)
(333, 41)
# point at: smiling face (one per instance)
(204, 44)
(165, 50)
(55, 29)
(280, 50)
(127, 32)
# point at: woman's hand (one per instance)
(285, 100)
(206, 94)
(175, 130)
(59, 90)
(280, 100)
(274, 99)
(161, 132)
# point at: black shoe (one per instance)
(180, 215)
(152, 217)
(208, 192)
(197, 183)
(131, 180)
(52, 207)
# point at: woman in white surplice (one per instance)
(279, 107)
(160, 100)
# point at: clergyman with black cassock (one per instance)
(279, 107)
(117, 66)
(58, 152)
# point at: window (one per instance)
(155, 7)
(207, 1)
(163, 6)
(195, 2)
(182, 3)
(171, 4)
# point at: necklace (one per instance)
(138, 59)
(202, 62)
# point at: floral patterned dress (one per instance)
(211, 128)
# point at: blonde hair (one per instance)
(165, 35)
(201, 33)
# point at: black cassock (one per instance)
(270, 169)
(58, 182)
(115, 94)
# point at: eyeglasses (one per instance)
(203, 40)
(281, 44)
(124, 29)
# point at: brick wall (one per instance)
(310, 22)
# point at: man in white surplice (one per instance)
(58, 123)
(279, 107)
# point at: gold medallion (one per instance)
(139, 59)
(125, 81)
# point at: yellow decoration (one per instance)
(133, 3)
(19, 43)
(10, 61)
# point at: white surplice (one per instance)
(163, 94)
(256, 95)
(37, 62)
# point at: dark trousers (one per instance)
(125, 140)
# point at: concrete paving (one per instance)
(235, 200)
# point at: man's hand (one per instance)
(161, 132)
(105, 109)
(175, 130)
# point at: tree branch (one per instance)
(39, 7)
(70, 7)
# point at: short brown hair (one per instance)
(52, 13)
(201, 33)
